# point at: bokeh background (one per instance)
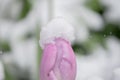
(97, 36)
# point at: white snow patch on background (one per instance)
(113, 12)
(1, 71)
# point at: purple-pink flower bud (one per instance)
(58, 61)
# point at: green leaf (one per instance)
(26, 8)
(5, 46)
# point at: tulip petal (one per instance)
(48, 61)
(52, 76)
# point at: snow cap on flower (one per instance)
(58, 27)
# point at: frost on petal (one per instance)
(56, 28)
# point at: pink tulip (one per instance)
(58, 61)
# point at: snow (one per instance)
(113, 45)
(1, 71)
(10, 9)
(95, 78)
(116, 74)
(92, 67)
(57, 28)
(82, 33)
(101, 64)
(75, 10)
(112, 14)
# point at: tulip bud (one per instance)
(58, 59)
